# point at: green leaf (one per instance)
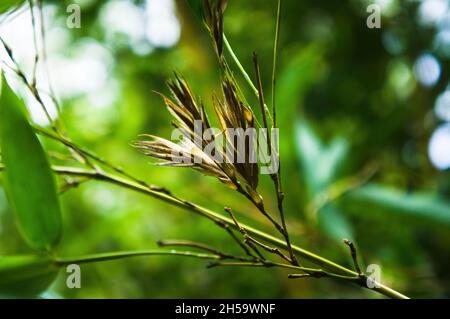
(421, 205)
(26, 275)
(334, 223)
(197, 7)
(6, 5)
(320, 164)
(28, 179)
(304, 68)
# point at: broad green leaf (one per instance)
(25, 276)
(421, 205)
(6, 5)
(28, 179)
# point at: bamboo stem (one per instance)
(316, 259)
(239, 65)
(127, 254)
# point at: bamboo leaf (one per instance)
(334, 223)
(320, 164)
(420, 205)
(28, 179)
(6, 5)
(197, 7)
(304, 68)
(26, 275)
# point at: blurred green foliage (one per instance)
(347, 98)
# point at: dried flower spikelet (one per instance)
(233, 113)
(213, 16)
(185, 154)
(186, 110)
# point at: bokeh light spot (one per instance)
(163, 28)
(427, 69)
(442, 106)
(439, 147)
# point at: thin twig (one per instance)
(244, 233)
(276, 177)
(45, 60)
(275, 60)
(70, 183)
(311, 272)
(252, 242)
(239, 65)
(32, 87)
(264, 110)
(352, 248)
(235, 238)
(35, 42)
(201, 246)
(35, 92)
(270, 249)
(238, 264)
(260, 207)
(127, 254)
(296, 276)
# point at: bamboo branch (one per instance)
(127, 254)
(275, 176)
(253, 242)
(264, 110)
(275, 60)
(201, 246)
(36, 47)
(309, 272)
(352, 248)
(31, 86)
(227, 228)
(239, 65)
(316, 259)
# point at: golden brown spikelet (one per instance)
(232, 113)
(213, 14)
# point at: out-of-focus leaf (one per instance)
(320, 164)
(197, 7)
(304, 69)
(334, 223)
(420, 205)
(28, 179)
(6, 5)
(25, 276)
